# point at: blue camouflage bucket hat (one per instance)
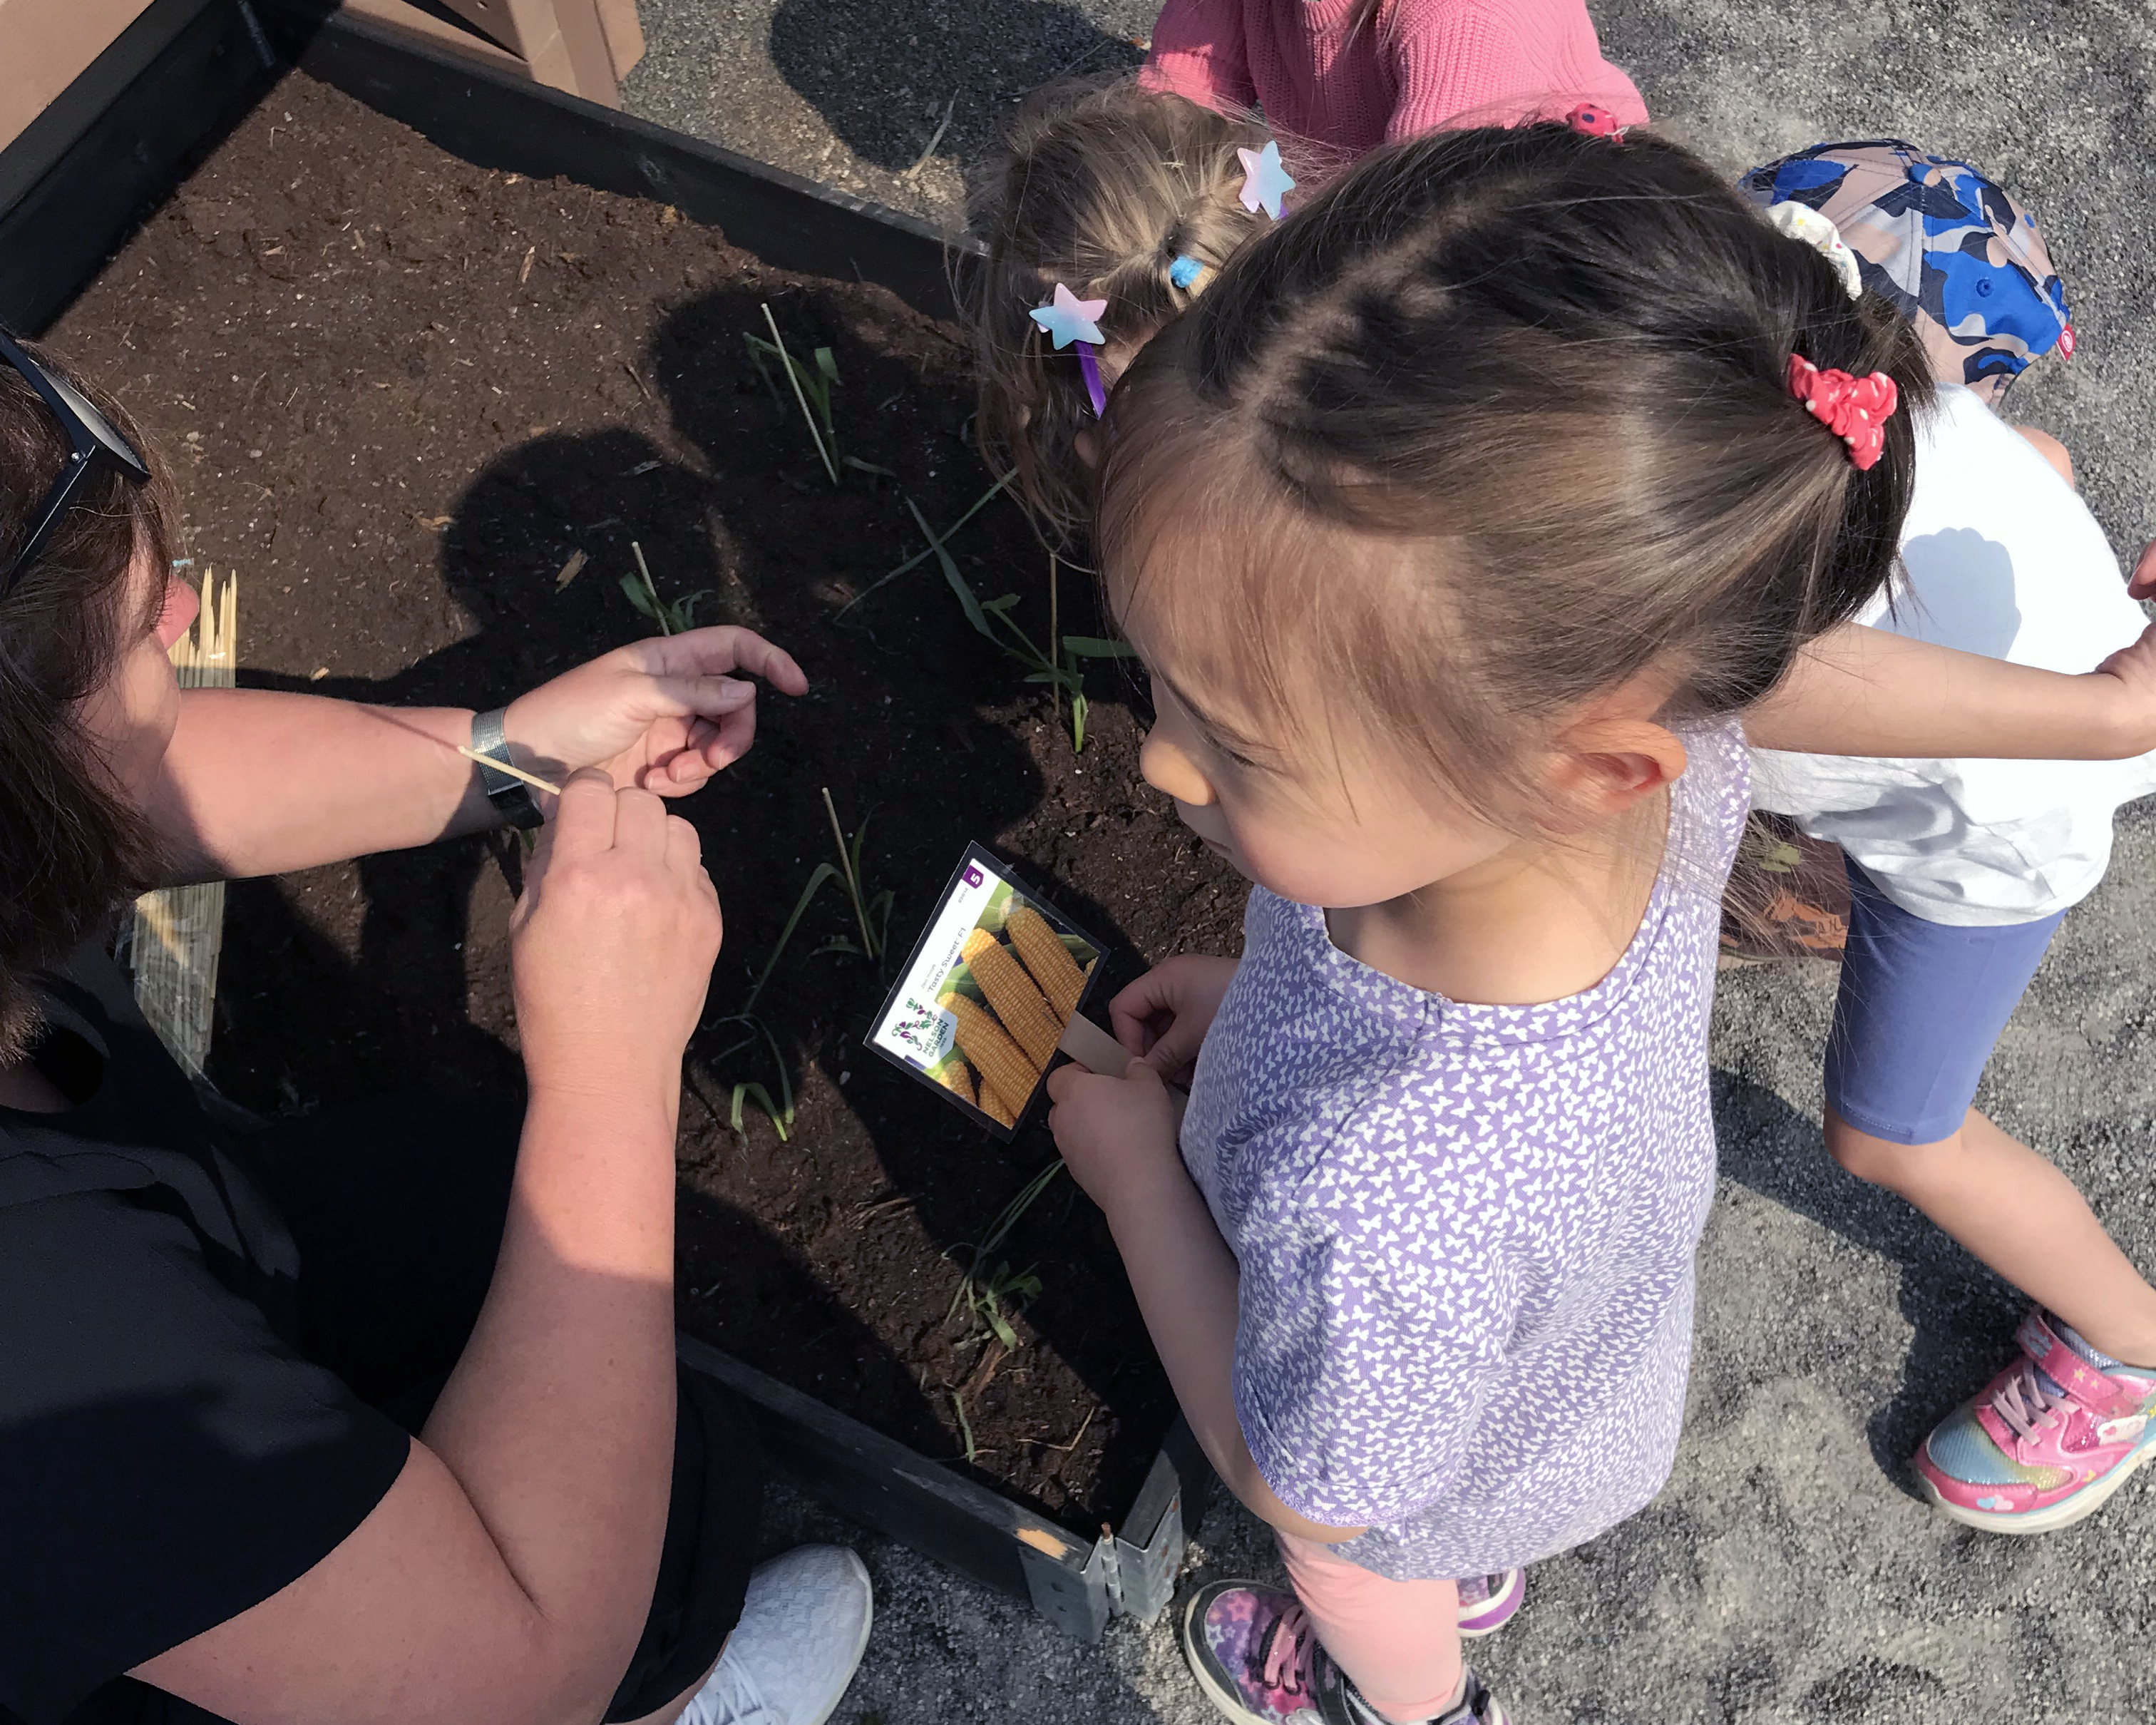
(1958, 257)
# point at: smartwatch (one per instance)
(511, 797)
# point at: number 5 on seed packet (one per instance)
(989, 994)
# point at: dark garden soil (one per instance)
(399, 393)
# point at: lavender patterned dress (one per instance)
(1466, 1232)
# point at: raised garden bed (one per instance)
(403, 394)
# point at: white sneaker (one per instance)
(802, 1633)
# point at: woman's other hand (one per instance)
(612, 944)
(1163, 1016)
(663, 715)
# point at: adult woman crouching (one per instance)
(374, 1420)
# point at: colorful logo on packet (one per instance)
(926, 1031)
(973, 875)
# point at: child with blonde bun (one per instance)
(1120, 195)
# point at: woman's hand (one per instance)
(612, 945)
(1163, 1016)
(664, 715)
(1117, 1135)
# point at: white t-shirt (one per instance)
(2003, 559)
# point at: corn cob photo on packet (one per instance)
(988, 995)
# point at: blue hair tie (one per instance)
(1185, 270)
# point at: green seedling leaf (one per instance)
(750, 1090)
(757, 347)
(1001, 1325)
(795, 374)
(965, 1427)
(919, 557)
(785, 1084)
(824, 872)
(633, 589)
(1097, 647)
(861, 466)
(1079, 709)
(839, 943)
(968, 600)
(827, 365)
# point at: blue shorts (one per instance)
(1921, 1006)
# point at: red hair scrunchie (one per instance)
(1855, 409)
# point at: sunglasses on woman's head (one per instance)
(95, 446)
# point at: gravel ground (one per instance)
(1788, 1574)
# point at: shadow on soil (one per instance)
(1961, 1313)
(303, 1024)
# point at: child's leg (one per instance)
(2015, 1212)
(2068, 1421)
(1921, 1006)
(1398, 1640)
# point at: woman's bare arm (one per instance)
(505, 1579)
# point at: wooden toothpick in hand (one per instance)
(500, 765)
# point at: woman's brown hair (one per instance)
(73, 848)
(1498, 422)
(1102, 187)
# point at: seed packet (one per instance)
(989, 994)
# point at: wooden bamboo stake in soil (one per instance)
(179, 930)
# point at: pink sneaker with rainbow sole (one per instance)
(2047, 1441)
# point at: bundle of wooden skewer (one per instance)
(179, 930)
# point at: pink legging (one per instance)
(1399, 1641)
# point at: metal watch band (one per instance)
(511, 797)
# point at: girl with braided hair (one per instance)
(1469, 525)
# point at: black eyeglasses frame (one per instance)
(94, 446)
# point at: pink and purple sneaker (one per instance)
(1255, 1653)
(2048, 1439)
(1487, 1603)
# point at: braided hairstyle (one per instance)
(1103, 187)
(1498, 422)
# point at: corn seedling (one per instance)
(965, 1428)
(812, 384)
(673, 616)
(990, 1297)
(781, 1118)
(919, 557)
(1062, 669)
(781, 1112)
(871, 915)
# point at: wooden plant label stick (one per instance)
(1093, 1048)
(500, 765)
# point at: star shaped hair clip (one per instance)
(1068, 320)
(1265, 182)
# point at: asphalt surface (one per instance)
(1788, 1572)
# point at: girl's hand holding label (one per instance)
(1163, 1016)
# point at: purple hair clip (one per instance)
(1069, 320)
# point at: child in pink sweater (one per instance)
(1356, 74)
